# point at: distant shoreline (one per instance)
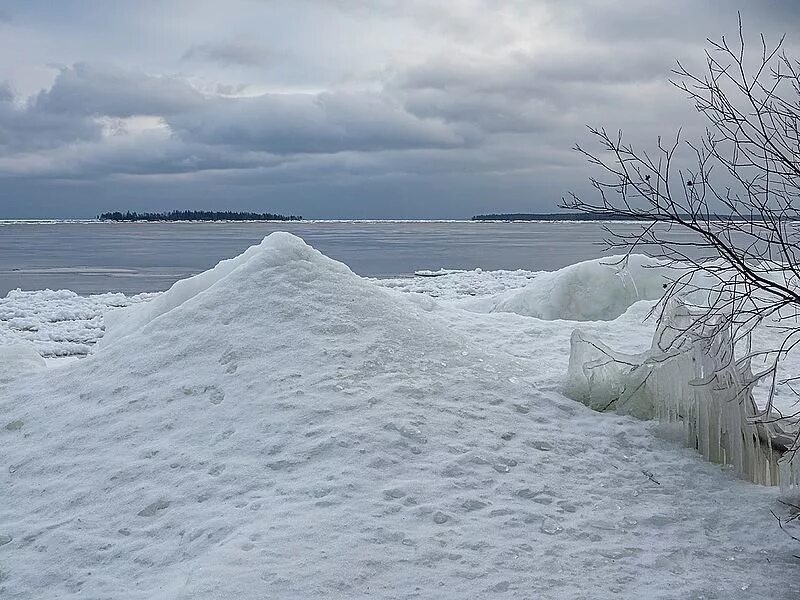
(304, 221)
(550, 217)
(477, 221)
(194, 215)
(594, 217)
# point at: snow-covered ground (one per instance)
(280, 427)
(59, 323)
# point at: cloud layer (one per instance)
(335, 109)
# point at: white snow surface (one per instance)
(281, 428)
(457, 284)
(120, 323)
(18, 356)
(59, 323)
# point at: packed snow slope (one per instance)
(282, 428)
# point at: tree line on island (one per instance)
(195, 215)
(547, 217)
(622, 216)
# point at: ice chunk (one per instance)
(598, 376)
(600, 289)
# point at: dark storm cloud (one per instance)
(275, 123)
(356, 108)
(25, 128)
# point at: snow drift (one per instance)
(279, 427)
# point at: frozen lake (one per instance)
(137, 257)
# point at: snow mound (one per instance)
(594, 290)
(280, 427)
(274, 249)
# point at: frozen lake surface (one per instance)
(91, 258)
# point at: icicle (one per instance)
(688, 380)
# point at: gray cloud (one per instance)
(375, 109)
(6, 93)
(25, 128)
(230, 53)
(308, 123)
(102, 89)
(272, 123)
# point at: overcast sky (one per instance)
(336, 108)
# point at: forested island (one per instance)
(550, 217)
(196, 215)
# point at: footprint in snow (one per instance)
(540, 445)
(154, 508)
(393, 494)
(440, 518)
(471, 505)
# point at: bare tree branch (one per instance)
(729, 224)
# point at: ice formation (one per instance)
(600, 289)
(691, 380)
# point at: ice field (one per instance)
(279, 427)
